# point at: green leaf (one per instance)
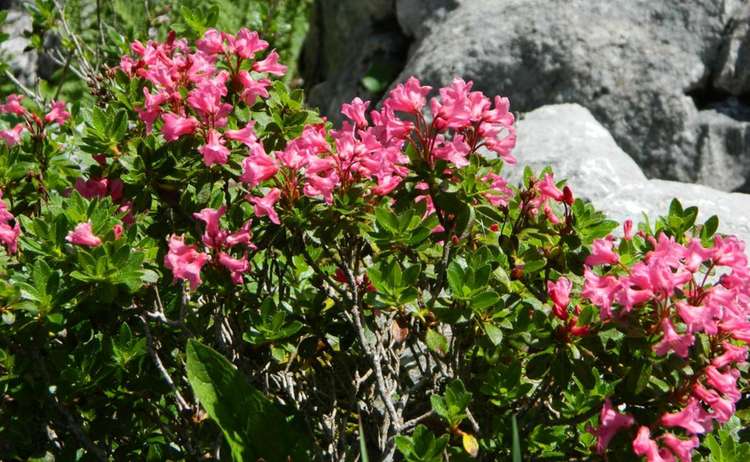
(253, 426)
(436, 342)
(516, 440)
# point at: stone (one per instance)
(22, 64)
(734, 70)
(723, 146)
(580, 150)
(348, 41)
(416, 17)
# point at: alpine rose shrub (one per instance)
(220, 259)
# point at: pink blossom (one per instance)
(151, 109)
(252, 88)
(236, 267)
(600, 291)
(117, 230)
(697, 318)
(386, 184)
(683, 449)
(12, 136)
(213, 235)
(693, 418)
(696, 254)
(245, 135)
(672, 341)
(321, 178)
(454, 151)
(409, 97)
(643, 445)
(9, 236)
(82, 234)
(270, 65)
(725, 383)
(92, 188)
(355, 111)
(729, 251)
(13, 105)
(559, 291)
(212, 42)
(629, 296)
(264, 206)
(176, 126)
(185, 261)
(610, 422)
(214, 151)
(57, 114)
(548, 189)
(627, 229)
(500, 193)
(246, 43)
(732, 354)
(258, 166)
(602, 253)
(722, 407)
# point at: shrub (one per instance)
(198, 254)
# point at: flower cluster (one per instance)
(677, 292)
(32, 122)
(220, 67)
(8, 234)
(186, 261)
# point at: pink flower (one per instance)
(176, 126)
(258, 166)
(725, 383)
(697, 318)
(407, 97)
(600, 291)
(236, 267)
(683, 449)
(252, 88)
(693, 418)
(212, 42)
(454, 151)
(722, 407)
(57, 114)
(672, 341)
(213, 235)
(82, 234)
(151, 109)
(732, 354)
(246, 43)
(602, 253)
(117, 230)
(500, 193)
(12, 136)
(549, 190)
(696, 254)
(264, 206)
(185, 261)
(610, 422)
(245, 135)
(321, 178)
(13, 105)
(559, 291)
(355, 111)
(627, 229)
(92, 187)
(643, 445)
(9, 235)
(270, 65)
(214, 151)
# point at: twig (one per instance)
(74, 427)
(182, 405)
(31, 94)
(415, 421)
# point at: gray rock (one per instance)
(349, 40)
(416, 17)
(22, 64)
(734, 73)
(631, 63)
(723, 146)
(569, 139)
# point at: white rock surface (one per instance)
(569, 139)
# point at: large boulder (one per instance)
(569, 139)
(647, 70)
